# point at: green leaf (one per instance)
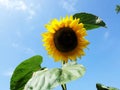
(103, 87)
(48, 79)
(24, 71)
(90, 21)
(117, 9)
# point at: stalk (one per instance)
(64, 87)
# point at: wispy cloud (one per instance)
(26, 50)
(31, 14)
(29, 51)
(15, 45)
(19, 34)
(19, 5)
(69, 5)
(14, 4)
(7, 73)
(106, 35)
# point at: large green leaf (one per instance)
(90, 21)
(48, 79)
(24, 71)
(103, 87)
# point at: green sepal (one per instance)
(24, 72)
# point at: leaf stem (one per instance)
(64, 87)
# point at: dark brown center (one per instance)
(65, 39)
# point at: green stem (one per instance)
(64, 87)
(63, 63)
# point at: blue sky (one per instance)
(22, 22)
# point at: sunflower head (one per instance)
(64, 39)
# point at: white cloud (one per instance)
(69, 5)
(19, 5)
(14, 4)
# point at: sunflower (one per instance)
(64, 39)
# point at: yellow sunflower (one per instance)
(65, 39)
